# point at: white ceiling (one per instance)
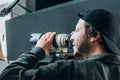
(2, 2)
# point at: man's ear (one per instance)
(95, 38)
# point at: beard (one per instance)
(83, 48)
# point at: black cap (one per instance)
(106, 24)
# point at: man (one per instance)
(95, 40)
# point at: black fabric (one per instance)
(106, 24)
(97, 67)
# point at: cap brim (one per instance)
(111, 45)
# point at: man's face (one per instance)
(79, 38)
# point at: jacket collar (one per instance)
(106, 57)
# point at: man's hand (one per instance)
(46, 41)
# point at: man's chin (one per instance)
(77, 55)
(75, 52)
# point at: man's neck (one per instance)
(94, 51)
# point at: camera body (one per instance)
(62, 45)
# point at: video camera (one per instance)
(62, 45)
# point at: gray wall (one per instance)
(61, 18)
(30, 4)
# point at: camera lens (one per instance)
(60, 40)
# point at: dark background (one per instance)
(40, 4)
(60, 18)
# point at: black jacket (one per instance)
(98, 67)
